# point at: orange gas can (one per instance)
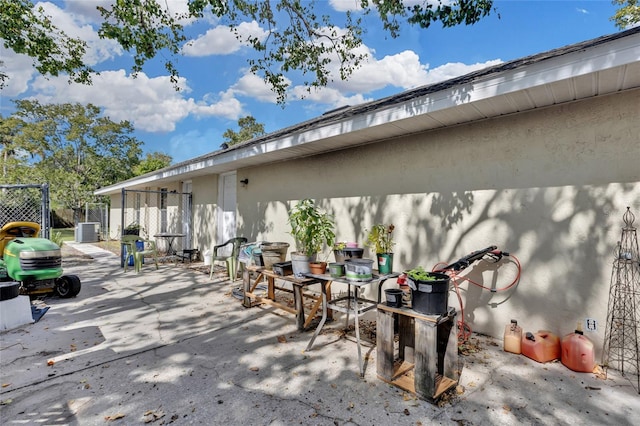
(543, 346)
(577, 352)
(513, 337)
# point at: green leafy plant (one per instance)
(310, 227)
(57, 238)
(340, 245)
(420, 274)
(380, 238)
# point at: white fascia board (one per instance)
(574, 64)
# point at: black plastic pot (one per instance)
(430, 297)
(348, 253)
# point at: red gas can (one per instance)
(577, 352)
(543, 346)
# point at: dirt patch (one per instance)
(73, 257)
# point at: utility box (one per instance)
(87, 232)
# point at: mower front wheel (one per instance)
(68, 286)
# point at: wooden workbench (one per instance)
(274, 283)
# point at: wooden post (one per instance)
(426, 358)
(246, 287)
(384, 345)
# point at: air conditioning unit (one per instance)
(87, 232)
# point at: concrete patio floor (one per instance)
(172, 346)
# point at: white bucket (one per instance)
(208, 257)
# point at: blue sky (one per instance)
(219, 89)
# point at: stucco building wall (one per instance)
(549, 186)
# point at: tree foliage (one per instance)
(28, 30)
(13, 159)
(628, 13)
(297, 40)
(153, 161)
(249, 129)
(71, 147)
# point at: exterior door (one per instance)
(186, 214)
(227, 207)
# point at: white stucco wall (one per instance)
(549, 186)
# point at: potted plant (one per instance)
(132, 229)
(429, 291)
(380, 241)
(311, 229)
(343, 250)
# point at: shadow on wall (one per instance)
(562, 235)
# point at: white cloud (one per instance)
(86, 11)
(583, 11)
(345, 5)
(98, 50)
(255, 87)
(19, 70)
(151, 104)
(222, 41)
(455, 69)
(328, 96)
(403, 70)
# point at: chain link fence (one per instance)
(163, 216)
(98, 213)
(26, 203)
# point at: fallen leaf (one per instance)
(114, 417)
(254, 368)
(6, 401)
(153, 415)
(4, 385)
(50, 362)
(506, 408)
(599, 372)
(282, 339)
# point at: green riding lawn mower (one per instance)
(33, 264)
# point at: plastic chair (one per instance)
(230, 259)
(131, 250)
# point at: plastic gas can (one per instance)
(577, 352)
(543, 346)
(513, 337)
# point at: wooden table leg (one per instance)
(299, 303)
(271, 288)
(246, 284)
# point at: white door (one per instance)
(186, 214)
(227, 207)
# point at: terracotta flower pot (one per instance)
(318, 267)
